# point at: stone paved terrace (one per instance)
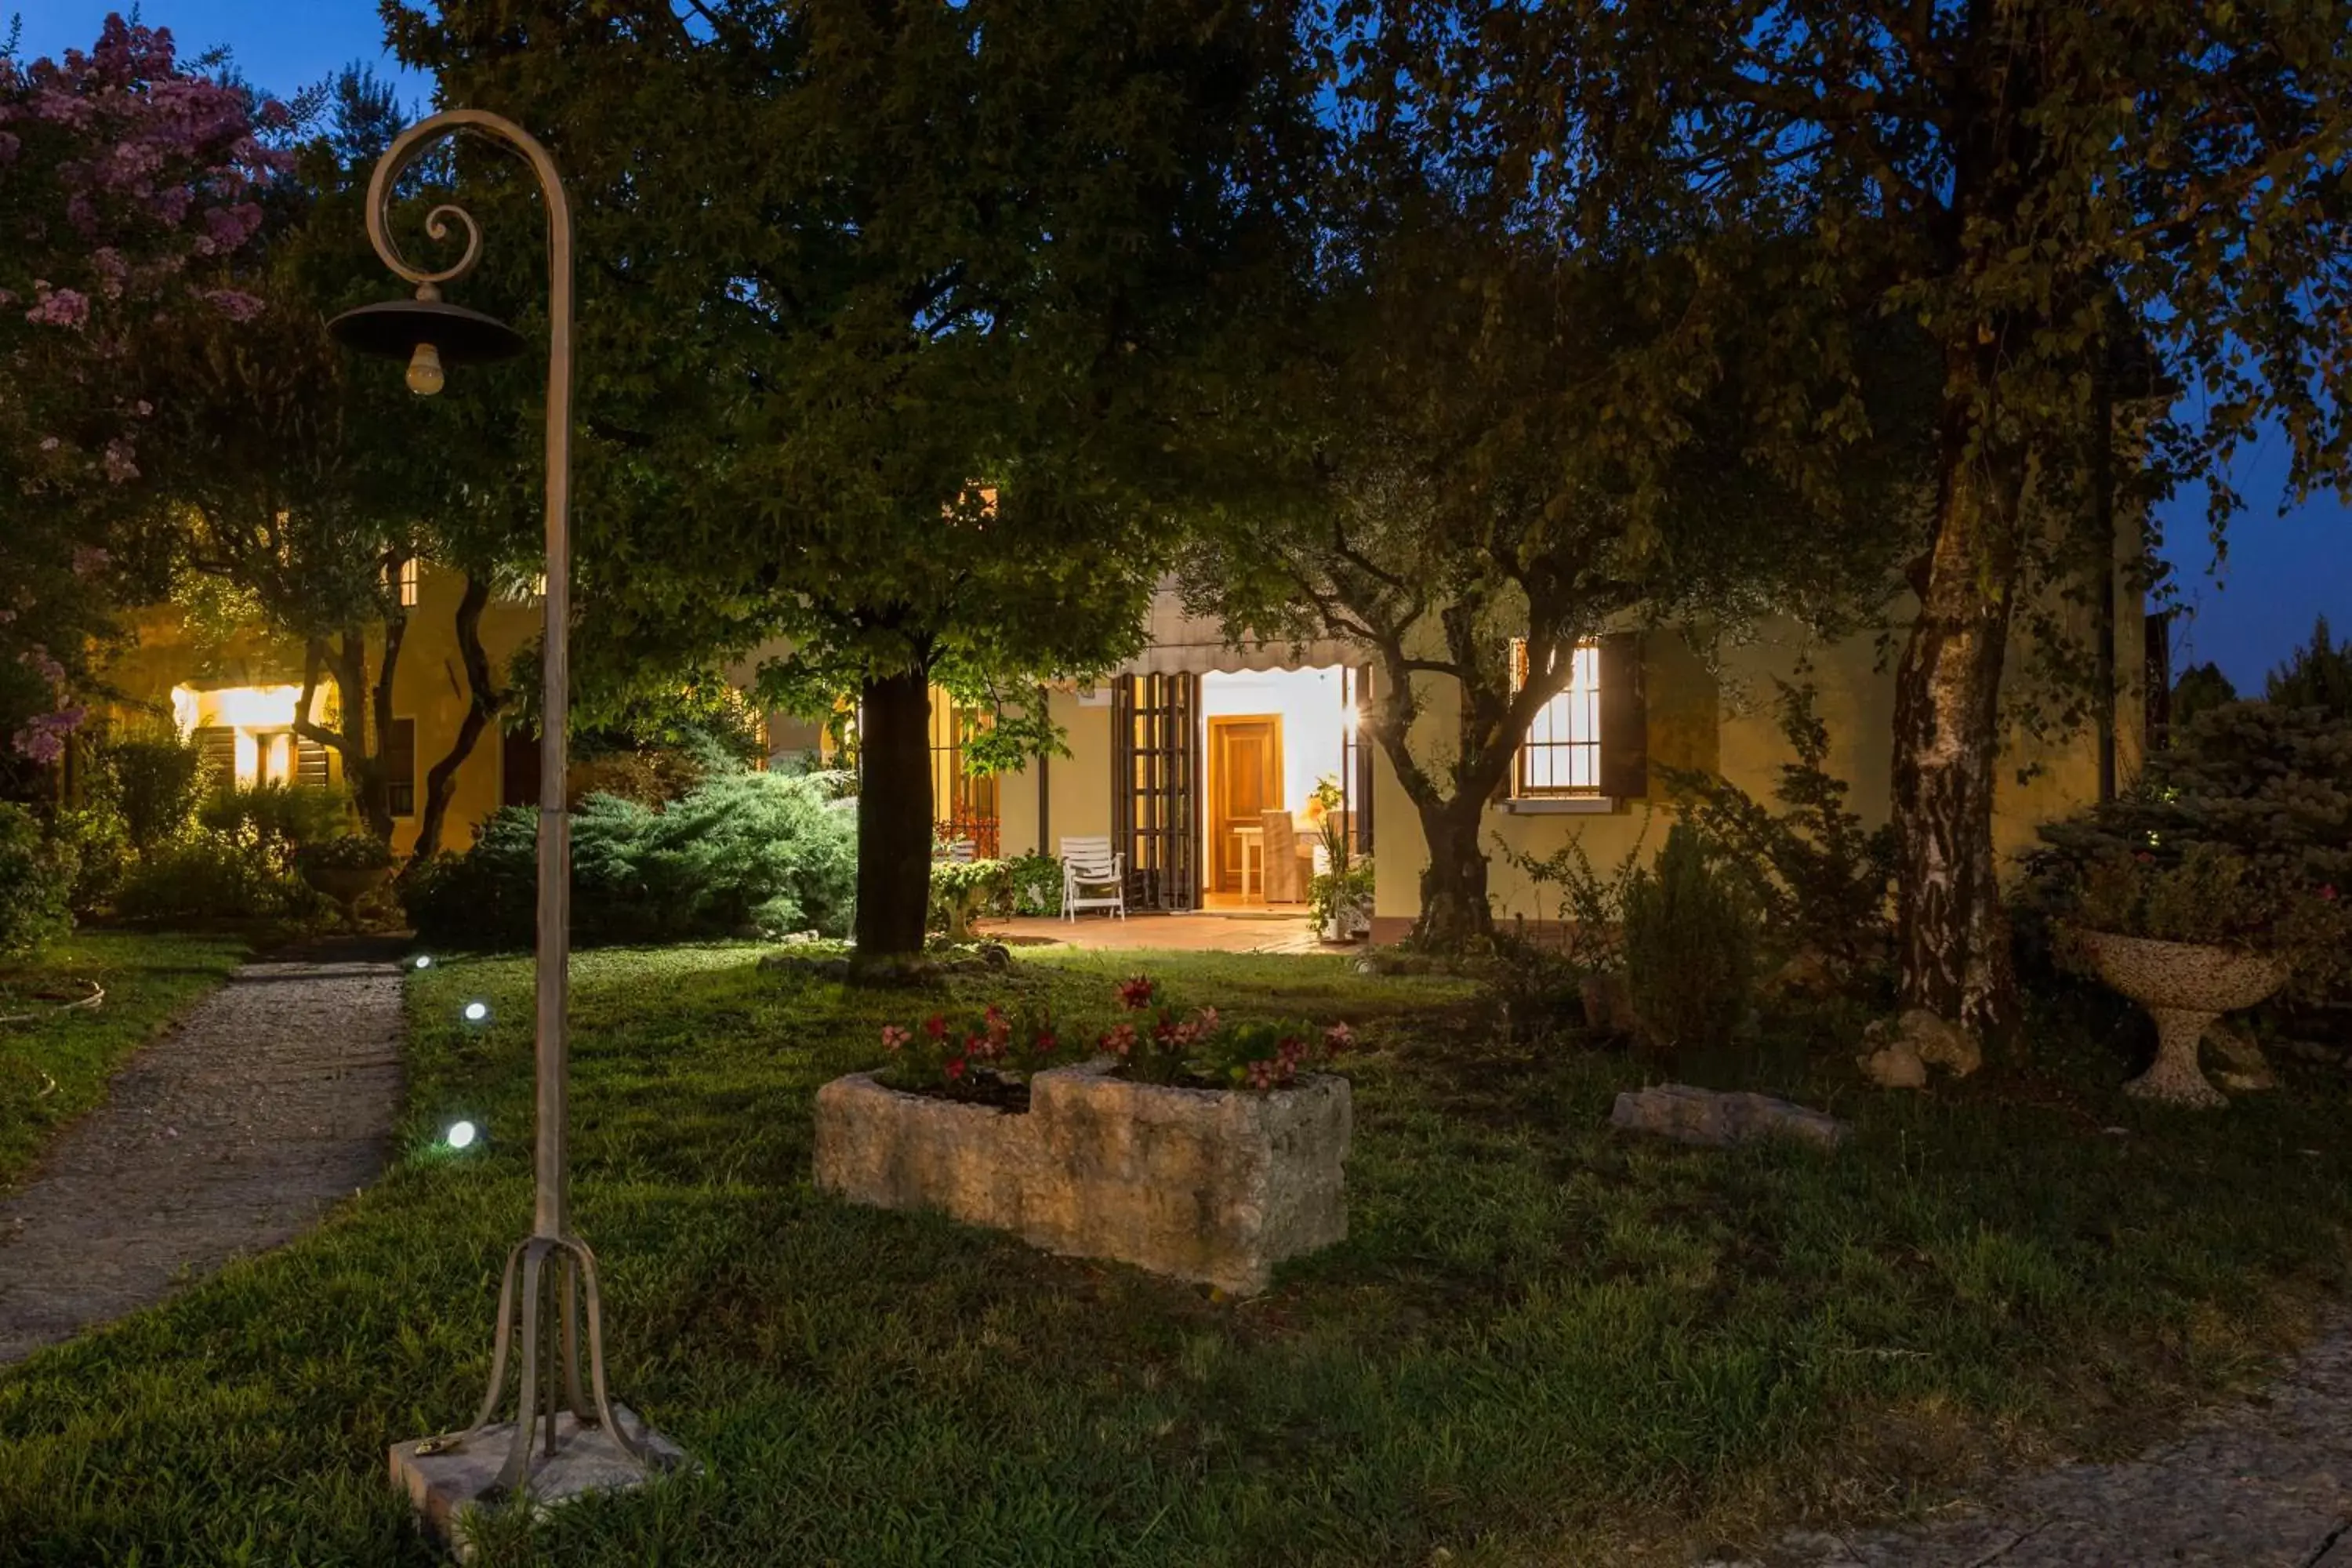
(1283, 930)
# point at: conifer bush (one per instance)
(740, 850)
(1690, 944)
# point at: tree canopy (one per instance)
(878, 309)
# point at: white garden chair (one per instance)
(960, 851)
(1093, 878)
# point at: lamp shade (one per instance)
(396, 327)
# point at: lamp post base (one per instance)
(444, 1484)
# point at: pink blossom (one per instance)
(234, 303)
(1135, 994)
(59, 307)
(1119, 1041)
(893, 1037)
(120, 469)
(90, 560)
(1337, 1038)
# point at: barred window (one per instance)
(1561, 752)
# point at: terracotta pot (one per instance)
(2185, 986)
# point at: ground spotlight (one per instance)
(424, 960)
(477, 1012)
(461, 1135)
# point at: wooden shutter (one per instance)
(216, 751)
(1624, 719)
(399, 760)
(1356, 773)
(310, 769)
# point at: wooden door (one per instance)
(1244, 780)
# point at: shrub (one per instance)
(1032, 885)
(742, 849)
(94, 834)
(158, 781)
(1589, 906)
(212, 876)
(36, 875)
(344, 852)
(1823, 880)
(1690, 944)
(279, 817)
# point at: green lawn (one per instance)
(53, 1069)
(1542, 1342)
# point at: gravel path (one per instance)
(2267, 1484)
(230, 1134)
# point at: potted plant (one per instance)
(1340, 896)
(1189, 1144)
(2190, 936)
(346, 867)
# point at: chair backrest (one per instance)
(1088, 857)
(1281, 834)
(954, 850)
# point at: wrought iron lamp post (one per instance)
(433, 336)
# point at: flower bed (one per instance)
(1141, 1155)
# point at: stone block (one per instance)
(1717, 1120)
(445, 1486)
(1214, 1186)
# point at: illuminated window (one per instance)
(1561, 752)
(962, 807)
(404, 582)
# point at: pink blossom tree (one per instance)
(131, 190)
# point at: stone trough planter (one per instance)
(1209, 1186)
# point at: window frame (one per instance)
(1524, 785)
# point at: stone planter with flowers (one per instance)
(1191, 1146)
(347, 868)
(2189, 937)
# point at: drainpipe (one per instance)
(2103, 521)
(1045, 784)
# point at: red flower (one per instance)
(955, 1068)
(1135, 994)
(2328, 891)
(1046, 1041)
(2143, 857)
(936, 1026)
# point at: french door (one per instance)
(1156, 788)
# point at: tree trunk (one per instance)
(484, 697)
(1454, 909)
(1953, 935)
(894, 814)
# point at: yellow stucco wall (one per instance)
(428, 686)
(1854, 696)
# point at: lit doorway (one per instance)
(1268, 739)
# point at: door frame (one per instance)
(1212, 861)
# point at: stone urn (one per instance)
(347, 884)
(2186, 988)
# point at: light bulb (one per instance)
(424, 376)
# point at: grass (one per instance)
(1542, 1342)
(54, 1069)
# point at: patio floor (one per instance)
(1208, 932)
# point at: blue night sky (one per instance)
(2282, 571)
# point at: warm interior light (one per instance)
(424, 377)
(477, 1012)
(462, 1134)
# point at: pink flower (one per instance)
(1135, 994)
(1208, 1020)
(1337, 1038)
(1119, 1041)
(894, 1036)
(2328, 891)
(59, 307)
